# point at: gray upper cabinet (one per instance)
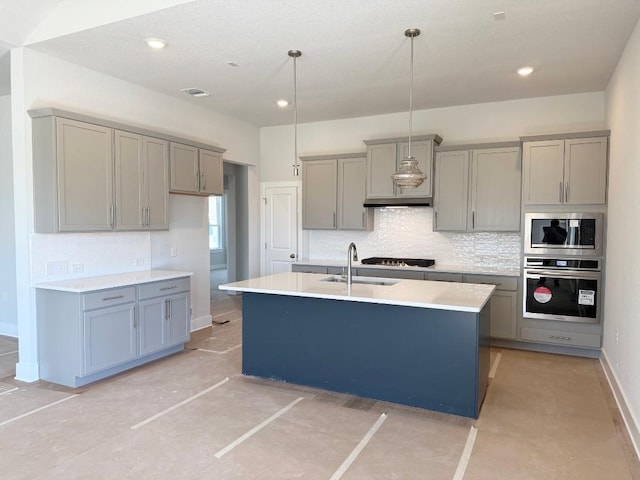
(195, 171)
(73, 176)
(383, 160)
(496, 178)
(333, 193)
(451, 190)
(565, 171)
(142, 182)
(478, 189)
(319, 194)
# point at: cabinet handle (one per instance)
(197, 174)
(169, 306)
(112, 212)
(473, 220)
(363, 219)
(148, 216)
(561, 193)
(334, 219)
(436, 218)
(566, 193)
(168, 288)
(204, 181)
(166, 309)
(559, 337)
(115, 297)
(135, 317)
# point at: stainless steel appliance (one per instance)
(566, 289)
(398, 262)
(564, 233)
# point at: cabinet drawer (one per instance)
(501, 283)
(107, 298)
(166, 287)
(560, 337)
(444, 277)
(309, 269)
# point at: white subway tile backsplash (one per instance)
(408, 232)
(88, 254)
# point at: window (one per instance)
(216, 223)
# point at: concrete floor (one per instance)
(194, 415)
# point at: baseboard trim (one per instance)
(618, 394)
(546, 348)
(200, 323)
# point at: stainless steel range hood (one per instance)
(398, 202)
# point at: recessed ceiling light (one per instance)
(525, 71)
(195, 92)
(156, 43)
(282, 103)
(499, 16)
(232, 63)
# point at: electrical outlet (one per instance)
(58, 267)
(5, 297)
(174, 252)
(77, 267)
(617, 337)
(138, 261)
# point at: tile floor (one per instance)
(194, 415)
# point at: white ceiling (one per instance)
(355, 58)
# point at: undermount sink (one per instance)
(361, 280)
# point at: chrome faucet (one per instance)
(352, 246)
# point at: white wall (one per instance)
(8, 313)
(622, 307)
(40, 81)
(487, 122)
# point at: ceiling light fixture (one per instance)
(282, 103)
(409, 174)
(156, 43)
(525, 71)
(195, 92)
(296, 168)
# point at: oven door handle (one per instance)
(555, 274)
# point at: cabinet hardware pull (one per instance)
(170, 308)
(197, 174)
(559, 337)
(168, 288)
(148, 216)
(363, 219)
(111, 215)
(334, 219)
(135, 317)
(115, 297)
(166, 309)
(436, 219)
(566, 193)
(473, 219)
(561, 192)
(204, 181)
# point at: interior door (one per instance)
(280, 228)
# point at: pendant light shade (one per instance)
(409, 174)
(296, 168)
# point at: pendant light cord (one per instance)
(295, 117)
(410, 96)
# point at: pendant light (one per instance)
(296, 168)
(409, 174)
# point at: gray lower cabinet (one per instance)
(84, 337)
(503, 304)
(333, 193)
(444, 277)
(384, 273)
(478, 189)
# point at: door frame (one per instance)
(263, 213)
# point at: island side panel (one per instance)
(421, 357)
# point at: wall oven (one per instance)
(564, 234)
(565, 289)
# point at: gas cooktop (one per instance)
(398, 262)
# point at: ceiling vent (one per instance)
(195, 92)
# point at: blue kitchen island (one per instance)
(412, 342)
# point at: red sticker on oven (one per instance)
(542, 294)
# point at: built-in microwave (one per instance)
(564, 233)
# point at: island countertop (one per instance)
(464, 297)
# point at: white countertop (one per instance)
(471, 270)
(465, 297)
(89, 284)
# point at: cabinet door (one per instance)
(108, 337)
(211, 173)
(352, 173)
(152, 330)
(503, 308)
(129, 168)
(178, 321)
(543, 172)
(156, 183)
(184, 168)
(450, 189)
(85, 176)
(496, 178)
(381, 164)
(585, 170)
(319, 194)
(423, 153)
